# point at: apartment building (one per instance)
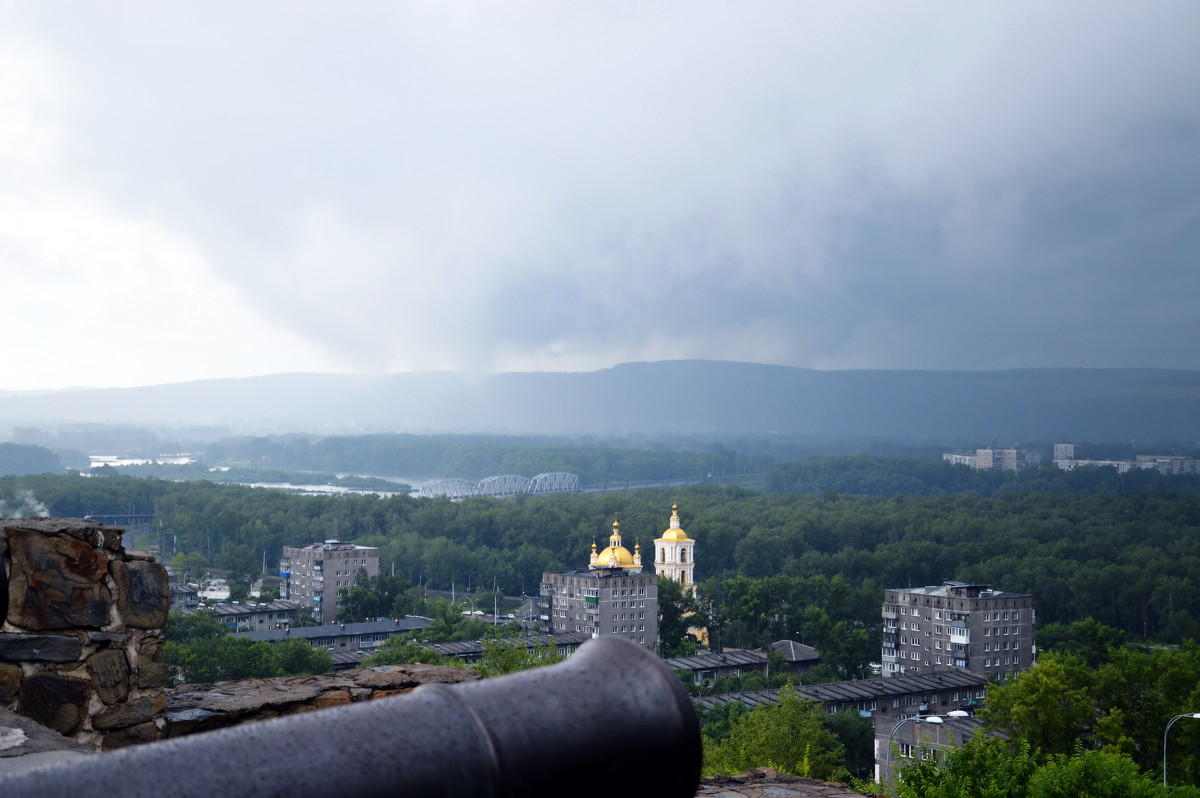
(611, 597)
(312, 575)
(1006, 459)
(957, 626)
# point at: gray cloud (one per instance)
(549, 186)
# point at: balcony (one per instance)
(891, 614)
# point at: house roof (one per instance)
(795, 652)
(699, 662)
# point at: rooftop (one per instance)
(332, 545)
(245, 608)
(384, 626)
(697, 662)
(859, 690)
(958, 590)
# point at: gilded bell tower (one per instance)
(675, 554)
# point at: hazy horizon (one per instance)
(483, 375)
(205, 191)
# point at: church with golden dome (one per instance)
(675, 554)
(616, 555)
(610, 597)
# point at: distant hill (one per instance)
(672, 397)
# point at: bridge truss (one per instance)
(502, 485)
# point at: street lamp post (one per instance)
(935, 719)
(1171, 723)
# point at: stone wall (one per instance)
(193, 708)
(81, 645)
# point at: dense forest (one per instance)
(1129, 559)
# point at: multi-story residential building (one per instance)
(1064, 451)
(312, 575)
(956, 625)
(1006, 459)
(611, 597)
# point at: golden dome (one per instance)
(675, 533)
(616, 555)
(620, 554)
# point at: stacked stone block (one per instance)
(81, 645)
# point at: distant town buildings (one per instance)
(611, 597)
(995, 459)
(1064, 458)
(957, 626)
(1064, 451)
(312, 575)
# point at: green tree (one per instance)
(1048, 706)
(508, 656)
(857, 735)
(199, 649)
(789, 737)
(189, 567)
(396, 651)
(989, 767)
(983, 767)
(676, 613)
(1088, 639)
(297, 656)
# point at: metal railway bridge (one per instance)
(503, 485)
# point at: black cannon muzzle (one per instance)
(611, 721)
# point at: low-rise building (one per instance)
(900, 743)
(889, 699)
(705, 666)
(367, 635)
(799, 656)
(251, 616)
(184, 598)
(564, 644)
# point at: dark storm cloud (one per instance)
(554, 186)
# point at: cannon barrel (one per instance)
(611, 720)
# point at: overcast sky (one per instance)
(211, 189)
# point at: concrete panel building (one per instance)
(312, 575)
(611, 597)
(957, 626)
